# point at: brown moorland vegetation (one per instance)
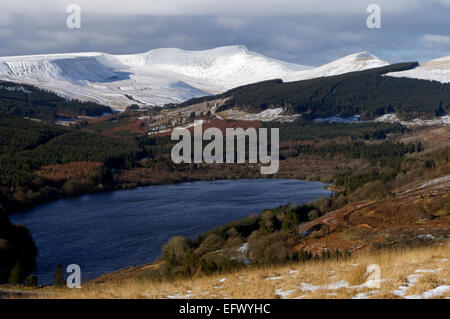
(73, 170)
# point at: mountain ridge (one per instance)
(162, 76)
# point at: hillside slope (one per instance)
(421, 273)
(434, 70)
(366, 93)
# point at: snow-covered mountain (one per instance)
(351, 63)
(162, 76)
(437, 70)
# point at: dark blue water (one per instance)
(109, 231)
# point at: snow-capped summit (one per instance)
(354, 62)
(350, 63)
(433, 70)
(223, 68)
(162, 76)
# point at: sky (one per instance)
(297, 31)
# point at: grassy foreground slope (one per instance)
(414, 273)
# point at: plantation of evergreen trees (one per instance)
(28, 101)
(368, 93)
(26, 145)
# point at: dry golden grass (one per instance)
(314, 279)
(427, 282)
(357, 276)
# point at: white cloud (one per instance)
(435, 41)
(351, 36)
(231, 23)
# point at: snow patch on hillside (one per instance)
(338, 119)
(264, 116)
(434, 70)
(393, 118)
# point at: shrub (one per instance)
(290, 224)
(371, 190)
(31, 281)
(268, 222)
(59, 276)
(175, 250)
(191, 263)
(208, 266)
(74, 187)
(322, 204)
(211, 243)
(234, 238)
(269, 249)
(243, 226)
(313, 214)
(16, 274)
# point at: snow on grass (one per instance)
(264, 116)
(284, 294)
(441, 182)
(189, 125)
(365, 295)
(393, 118)
(274, 278)
(333, 286)
(432, 293)
(158, 132)
(426, 236)
(433, 271)
(178, 296)
(243, 248)
(412, 280)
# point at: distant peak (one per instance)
(240, 47)
(364, 55)
(232, 49)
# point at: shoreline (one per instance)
(132, 186)
(259, 209)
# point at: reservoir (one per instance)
(109, 231)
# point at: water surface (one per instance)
(109, 231)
